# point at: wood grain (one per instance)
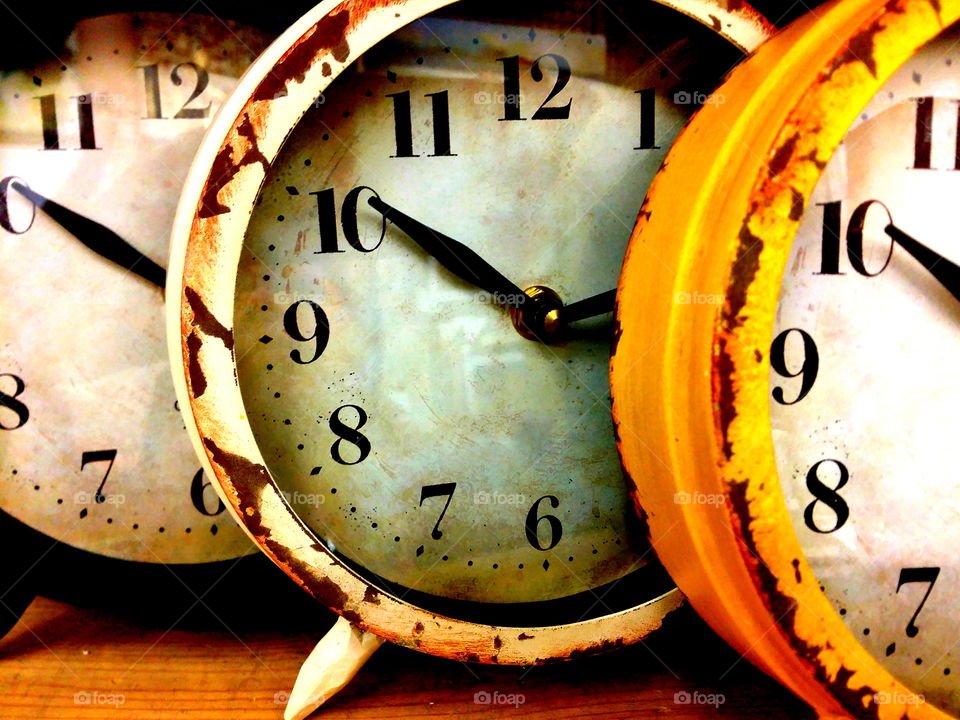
(64, 662)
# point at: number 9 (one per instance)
(320, 334)
(808, 371)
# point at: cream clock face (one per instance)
(93, 451)
(864, 381)
(409, 423)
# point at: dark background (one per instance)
(27, 26)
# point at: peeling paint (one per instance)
(205, 320)
(198, 381)
(225, 169)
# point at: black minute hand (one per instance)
(581, 310)
(947, 272)
(102, 240)
(453, 255)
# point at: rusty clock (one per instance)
(414, 427)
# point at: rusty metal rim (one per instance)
(227, 173)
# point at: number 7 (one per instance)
(443, 490)
(918, 575)
(94, 456)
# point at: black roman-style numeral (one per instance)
(831, 238)
(151, 82)
(513, 98)
(51, 129)
(403, 124)
(923, 135)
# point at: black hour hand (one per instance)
(102, 240)
(453, 255)
(945, 271)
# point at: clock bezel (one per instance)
(227, 174)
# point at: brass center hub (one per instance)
(538, 318)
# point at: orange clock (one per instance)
(784, 381)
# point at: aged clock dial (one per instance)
(371, 258)
(864, 450)
(428, 441)
(94, 146)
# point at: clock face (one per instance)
(94, 452)
(863, 382)
(407, 421)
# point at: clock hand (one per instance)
(947, 272)
(545, 321)
(453, 255)
(590, 307)
(102, 240)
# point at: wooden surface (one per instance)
(64, 662)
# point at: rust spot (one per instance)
(328, 592)
(743, 273)
(812, 157)
(779, 604)
(726, 394)
(642, 518)
(249, 478)
(783, 154)
(497, 642)
(326, 69)
(758, 356)
(860, 48)
(617, 331)
(602, 647)
(330, 33)
(418, 628)
(524, 636)
(796, 205)
(341, 598)
(715, 21)
(225, 168)
(471, 657)
(198, 381)
(371, 595)
(796, 570)
(742, 276)
(784, 609)
(205, 320)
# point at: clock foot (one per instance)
(332, 664)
